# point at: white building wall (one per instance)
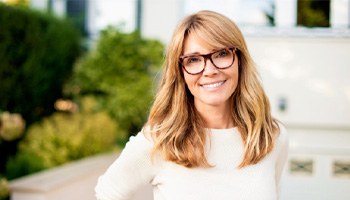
(59, 7)
(230, 8)
(39, 4)
(101, 14)
(160, 17)
(286, 13)
(310, 73)
(340, 14)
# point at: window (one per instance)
(313, 13)
(301, 167)
(76, 12)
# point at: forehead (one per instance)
(196, 45)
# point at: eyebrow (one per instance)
(191, 54)
(198, 53)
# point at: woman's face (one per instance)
(213, 87)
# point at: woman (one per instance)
(210, 134)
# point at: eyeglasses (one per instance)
(221, 59)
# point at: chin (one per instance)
(214, 102)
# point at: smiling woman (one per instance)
(210, 133)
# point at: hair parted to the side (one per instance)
(176, 127)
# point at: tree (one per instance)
(119, 72)
(37, 52)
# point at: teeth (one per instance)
(213, 85)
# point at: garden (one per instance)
(61, 101)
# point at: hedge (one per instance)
(37, 52)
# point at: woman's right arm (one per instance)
(132, 170)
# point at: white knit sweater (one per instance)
(134, 169)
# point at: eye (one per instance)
(222, 53)
(193, 60)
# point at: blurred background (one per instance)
(77, 78)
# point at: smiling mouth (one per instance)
(213, 85)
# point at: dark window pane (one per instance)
(76, 11)
(313, 13)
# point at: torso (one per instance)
(223, 181)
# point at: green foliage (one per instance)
(37, 53)
(23, 3)
(119, 71)
(4, 189)
(313, 13)
(12, 126)
(61, 138)
(22, 164)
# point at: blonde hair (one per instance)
(177, 129)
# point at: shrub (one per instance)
(22, 164)
(61, 138)
(4, 189)
(37, 53)
(12, 126)
(120, 72)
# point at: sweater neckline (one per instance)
(222, 131)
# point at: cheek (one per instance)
(189, 80)
(235, 78)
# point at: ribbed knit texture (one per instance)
(134, 169)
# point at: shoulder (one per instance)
(140, 142)
(282, 140)
(136, 154)
(283, 133)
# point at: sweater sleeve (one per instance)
(283, 145)
(132, 170)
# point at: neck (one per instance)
(216, 117)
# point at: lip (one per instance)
(212, 85)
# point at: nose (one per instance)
(209, 68)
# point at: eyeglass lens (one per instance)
(220, 59)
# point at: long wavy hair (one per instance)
(177, 129)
